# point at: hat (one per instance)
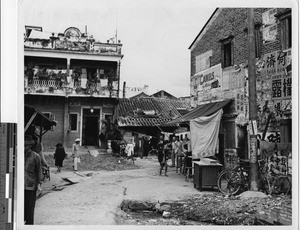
(28, 140)
(77, 140)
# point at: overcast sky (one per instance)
(155, 34)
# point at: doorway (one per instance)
(90, 127)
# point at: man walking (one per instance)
(75, 153)
(32, 182)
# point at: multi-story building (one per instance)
(219, 71)
(74, 80)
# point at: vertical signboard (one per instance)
(269, 30)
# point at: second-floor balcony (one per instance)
(48, 82)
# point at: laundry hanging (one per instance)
(204, 134)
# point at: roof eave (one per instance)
(203, 28)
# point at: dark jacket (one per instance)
(33, 171)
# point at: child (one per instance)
(163, 152)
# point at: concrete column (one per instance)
(68, 66)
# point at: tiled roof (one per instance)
(166, 110)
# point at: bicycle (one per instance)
(272, 181)
(231, 181)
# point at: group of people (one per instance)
(34, 161)
(178, 149)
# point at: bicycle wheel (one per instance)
(229, 182)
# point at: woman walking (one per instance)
(59, 156)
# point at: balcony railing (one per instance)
(70, 88)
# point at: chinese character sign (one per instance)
(276, 72)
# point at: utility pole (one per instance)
(252, 103)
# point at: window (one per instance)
(286, 33)
(285, 28)
(73, 120)
(49, 115)
(227, 52)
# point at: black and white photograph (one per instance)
(144, 113)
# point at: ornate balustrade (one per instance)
(70, 88)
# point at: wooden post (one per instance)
(252, 103)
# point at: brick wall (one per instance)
(61, 107)
(231, 21)
(55, 105)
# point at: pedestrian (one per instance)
(162, 156)
(188, 156)
(179, 153)
(59, 156)
(146, 146)
(32, 180)
(173, 147)
(75, 153)
(38, 148)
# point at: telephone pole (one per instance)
(252, 103)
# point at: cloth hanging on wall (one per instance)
(204, 134)
(103, 82)
(83, 82)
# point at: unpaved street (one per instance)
(94, 200)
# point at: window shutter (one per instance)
(222, 56)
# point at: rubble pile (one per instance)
(91, 163)
(207, 209)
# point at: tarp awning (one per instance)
(204, 134)
(201, 111)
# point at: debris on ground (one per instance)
(89, 162)
(208, 209)
(70, 181)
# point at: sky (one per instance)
(155, 34)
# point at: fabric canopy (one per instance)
(200, 111)
(204, 135)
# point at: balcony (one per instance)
(74, 46)
(62, 83)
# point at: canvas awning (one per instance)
(201, 111)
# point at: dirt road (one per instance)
(94, 200)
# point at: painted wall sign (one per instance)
(269, 34)
(268, 17)
(269, 30)
(253, 149)
(270, 136)
(240, 101)
(210, 78)
(276, 76)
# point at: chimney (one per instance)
(124, 89)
